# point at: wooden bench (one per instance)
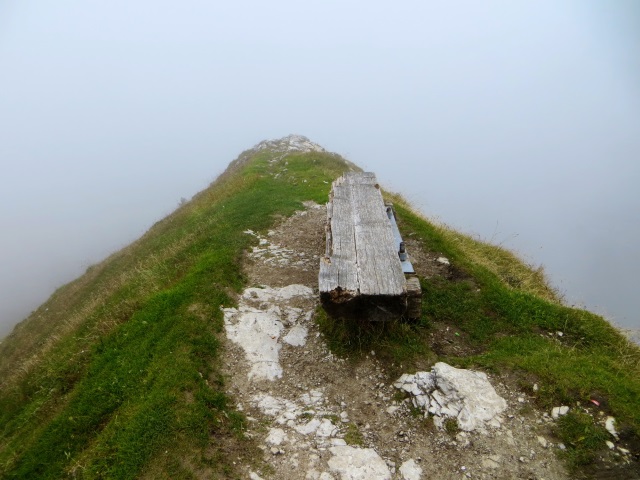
(361, 274)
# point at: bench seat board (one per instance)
(361, 256)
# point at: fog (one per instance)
(517, 122)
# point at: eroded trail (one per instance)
(317, 416)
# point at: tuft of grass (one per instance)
(393, 342)
(582, 437)
(353, 436)
(335, 419)
(451, 426)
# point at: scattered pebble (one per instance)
(443, 260)
(610, 425)
(559, 411)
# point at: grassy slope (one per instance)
(118, 372)
(506, 314)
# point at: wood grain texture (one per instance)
(361, 256)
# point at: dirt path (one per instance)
(321, 417)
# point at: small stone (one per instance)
(490, 463)
(543, 442)
(623, 450)
(521, 399)
(562, 446)
(555, 413)
(276, 436)
(275, 451)
(309, 427)
(535, 387)
(560, 334)
(563, 410)
(610, 444)
(410, 470)
(610, 425)
(326, 429)
(443, 260)
(392, 409)
(522, 459)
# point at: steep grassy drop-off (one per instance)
(120, 365)
(118, 374)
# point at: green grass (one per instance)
(507, 318)
(117, 375)
(353, 436)
(583, 437)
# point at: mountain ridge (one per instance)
(126, 362)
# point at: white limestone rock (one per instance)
(276, 436)
(557, 412)
(410, 470)
(610, 426)
(277, 294)
(257, 332)
(281, 409)
(313, 397)
(297, 336)
(290, 143)
(326, 429)
(351, 463)
(310, 427)
(456, 393)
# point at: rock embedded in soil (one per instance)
(449, 392)
(259, 322)
(410, 470)
(610, 426)
(352, 463)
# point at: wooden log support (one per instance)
(361, 274)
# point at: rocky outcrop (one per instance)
(449, 392)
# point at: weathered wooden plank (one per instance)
(361, 261)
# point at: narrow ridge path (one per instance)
(319, 417)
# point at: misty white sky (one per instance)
(515, 121)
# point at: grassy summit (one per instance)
(118, 374)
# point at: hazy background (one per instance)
(515, 121)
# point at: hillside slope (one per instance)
(125, 372)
